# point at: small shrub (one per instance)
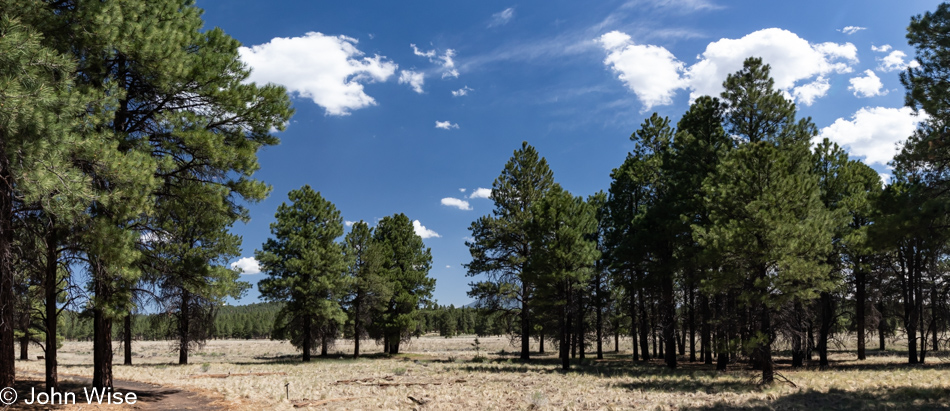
(205, 367)
(399, 370)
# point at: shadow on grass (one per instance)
(647, 376)
(904, 398)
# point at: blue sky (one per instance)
(411, 107)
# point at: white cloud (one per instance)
(247, 265)
(502, 17)
(422, 231)
(349, 223)
(873, 132)
(428, 54)
(808, 93)
(415, 79)
(462, 190)
(462, 91)
(445, 60)
(675, 5)
(651, 72)
(791, 57)
(883, 49)
(481, 193)
(329, 70)
(895, 61)
(446, 125)
(885, 178)
(849, 30)
(868, 86)
(454, 202)
(799, 68)
(448, 266)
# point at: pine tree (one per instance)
(501, 248)
(766, 214)
(304, 266)
(370, 292)
(405, 263)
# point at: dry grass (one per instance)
(437, 373)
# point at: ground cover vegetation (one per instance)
(128, 141)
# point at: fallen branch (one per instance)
(246, 374)
(362, 380)
(308, 403)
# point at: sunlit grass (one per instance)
(440, 372)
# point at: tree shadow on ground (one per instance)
(74, 392)
(649, 375)
(903, 398)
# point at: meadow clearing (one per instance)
(440, 374)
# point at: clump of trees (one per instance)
(732, 233)
(376, 279)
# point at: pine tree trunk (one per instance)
(127, 339)
(765, 350)
(692, 324)
(644, 329)
(600, 321)
(7, 369)
(706, 331)
(25, 345)
(307, 332)
(324, 345)
(669, 321)
(617, 342)
(881, 326)
(51, 291)
(564, 350)
(824, 328)
(860, 283)
(525, 324)
(184, 327)
(541, 343)
(102, 331)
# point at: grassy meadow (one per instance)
(443, 374)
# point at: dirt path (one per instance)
(149, 396)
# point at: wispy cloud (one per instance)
(446, 60)
(462, 91)
(849, 30)
(446, 125)
(502, 17)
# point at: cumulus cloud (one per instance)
(651, 72)
(422, 231)
(791, 57)
(808, 93)
(882, 49)
(502, 17)
(247, 265)
(481, 193)
(849, 30)
(446, 125)
(462, 91)
(462, 190)
(329, 70)
(868, 86)
(349, 223)
(445, 60)
(415, 79)
(873, 132)
(455, 202)
(799, 68)
(895, 61)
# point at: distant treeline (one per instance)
(256, 321)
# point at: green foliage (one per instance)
(304, 266)
(405, 262)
